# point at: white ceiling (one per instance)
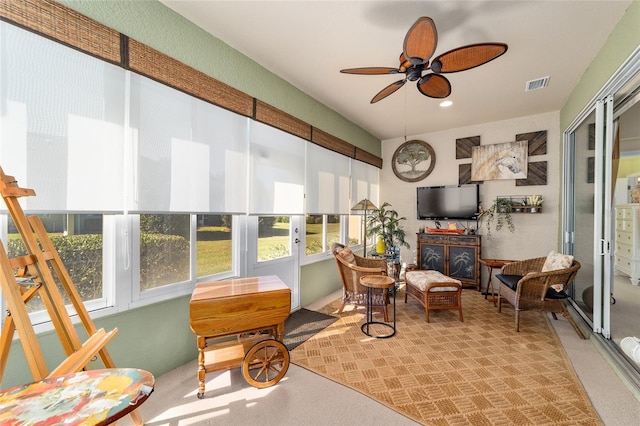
(307, 43)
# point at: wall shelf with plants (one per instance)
(521, 203)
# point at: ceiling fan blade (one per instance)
(388, 90)
(371, 70)
(434, 86)
(467, 57)
(420, 41)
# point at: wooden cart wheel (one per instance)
(265, 363)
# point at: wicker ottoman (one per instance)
(434, 291)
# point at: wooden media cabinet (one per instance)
(456, 256)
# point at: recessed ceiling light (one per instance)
(445, 104)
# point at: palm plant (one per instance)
(386, 223)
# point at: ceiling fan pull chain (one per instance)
(405, 113)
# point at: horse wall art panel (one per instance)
(499, 161)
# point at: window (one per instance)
(355, 230)
(78, 240)
(146, 165)
(214, 246)
(321, 232)
(314, 234)
(164, 249)
(273, 237)
(333, 234)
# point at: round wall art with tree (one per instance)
(413, 161)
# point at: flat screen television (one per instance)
(448, 202)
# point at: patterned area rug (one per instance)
(479, 372)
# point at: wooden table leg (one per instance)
(490, 284)
(202, 344)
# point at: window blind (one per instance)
(62, 124)
(364, 182)
(188, 155)
(326, 181)
(277, 163)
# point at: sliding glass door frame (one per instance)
(603, 106)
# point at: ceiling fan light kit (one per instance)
(418, 48)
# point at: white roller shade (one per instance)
(277, 162)
(364, 182)
(189, 156)
(62, 124)
(327, 181)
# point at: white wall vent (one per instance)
(538, 83)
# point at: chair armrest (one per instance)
(536, 284)
(533, 285)
(363, 269)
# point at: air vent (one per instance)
(539, 83)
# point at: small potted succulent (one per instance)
(534, 202)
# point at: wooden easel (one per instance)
(35, 271)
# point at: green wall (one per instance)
(156, 338)
(318, 280)
(618, 47)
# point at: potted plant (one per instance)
(534, 202)
(386, 223)
(500, 213)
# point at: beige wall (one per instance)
(535, 234)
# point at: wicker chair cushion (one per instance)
(347, 255)
(553, 292)
(557, 261)
(421, 279)
(510, 281)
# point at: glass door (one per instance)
(273, 250)
(580, 220)
(588, 224)
(601, 219)
(624, 315)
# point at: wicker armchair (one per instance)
(524, 286)
(351, 268)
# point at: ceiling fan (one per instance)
(419, 45)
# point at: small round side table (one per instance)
(492, 264)
(372, 282)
